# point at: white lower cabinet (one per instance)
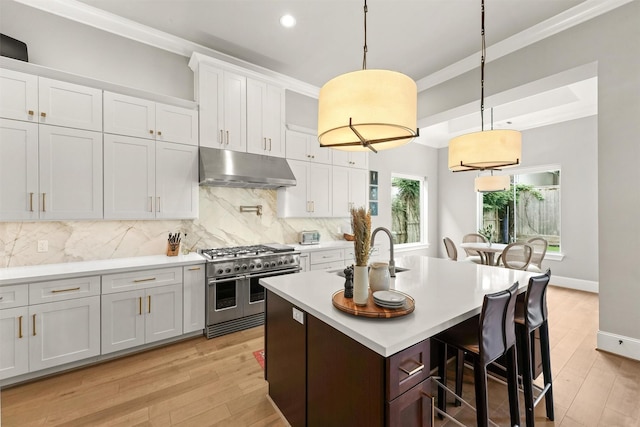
(64, 331)
(140, 317)
(14, 342)
(193, 298)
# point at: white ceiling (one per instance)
(429, 40)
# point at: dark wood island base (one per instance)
(319, 376)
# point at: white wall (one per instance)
(613, 41)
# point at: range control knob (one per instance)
(227, 270)
(258, 265)
(273, 263)
(286, 261)
(219, 271)
(244, 267)
(280, 262)
(236, 268)
(251, 266)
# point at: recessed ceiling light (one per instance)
(287, 21)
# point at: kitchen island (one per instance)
(326, 367)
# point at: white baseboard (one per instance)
(578, 284)
(620, 345)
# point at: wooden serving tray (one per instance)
(371, 309)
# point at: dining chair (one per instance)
(484, 339)
(531, 315)
(516, 256)
(472, 254)
(450, 247)
(539, 246)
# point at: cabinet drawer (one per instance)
(413, 408)
(325, 256)
(141, 279)
(65, 289)
(335, 265)
(407, 368)
(14, 296)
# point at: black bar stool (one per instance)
(485, 340)
(531, 314)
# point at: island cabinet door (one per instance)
(285, 361)
(345, 379)
(413, 408)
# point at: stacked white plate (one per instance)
(389, 299)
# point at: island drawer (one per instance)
(407, 368)
(14, 296)
(64, 289)
(141, 279)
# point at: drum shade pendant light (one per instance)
(367, 109)
(485, 150)
(489, 183)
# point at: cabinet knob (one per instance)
(43, 114)
(30, 112)
(151, 131)
(159, 133)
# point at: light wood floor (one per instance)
(218, 382)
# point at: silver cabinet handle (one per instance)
(415, 370)
(34, 325)
(227, 137)
(149, 304)
(150, 203)
(57, 291)
(269, 144)
(221, 136)
(20, 327)
(140, 306)
(30, 202)
(194, 269)
(158, 204)
(265, 143)
(144, 280)
(44, 200)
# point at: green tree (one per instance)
(501, 203)
(405, 210)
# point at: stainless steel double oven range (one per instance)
(235, 298)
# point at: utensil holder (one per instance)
(173, 249)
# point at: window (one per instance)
(407, 209)
(531, 207)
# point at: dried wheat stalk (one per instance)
(361, 225)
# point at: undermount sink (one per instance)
(398, 270)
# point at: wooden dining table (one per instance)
(488, 250)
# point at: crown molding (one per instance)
(583, 12)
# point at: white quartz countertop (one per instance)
(13, 275)
(445, 293)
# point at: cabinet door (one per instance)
(14, 344)
(293, 201)
(69, 105)
(296, 145)
(318, 154)
(341, 203)
(209, 96)
(123, 316)
(413, 408)
(19, 98)
(70, 173)
(319, 190)
(64, 331)
(274, 120)
(176, 124)
(256, 132)
(128, 115)
(176, 180)
(163, 317)
(235, 112)
(193, 298)
(18, 170)
(129, 178)
(358, 188)
(358, 159)
(340, 158)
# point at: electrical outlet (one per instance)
(43, 246)
(298, 316)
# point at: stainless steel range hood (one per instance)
(226, 168)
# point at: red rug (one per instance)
(259, 355)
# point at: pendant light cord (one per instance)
(364, 56)
(482, 56)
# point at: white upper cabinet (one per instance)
(349, 190)
(222, 96)
(47, 101)
(141, 118)
(351, 159)
(49, 172)
(311, 196)
(305, 146)
(146, 179)
(18, 95)
(265, 119)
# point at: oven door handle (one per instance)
(228, 279)
(274, 273)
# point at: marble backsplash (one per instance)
(220, 224)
